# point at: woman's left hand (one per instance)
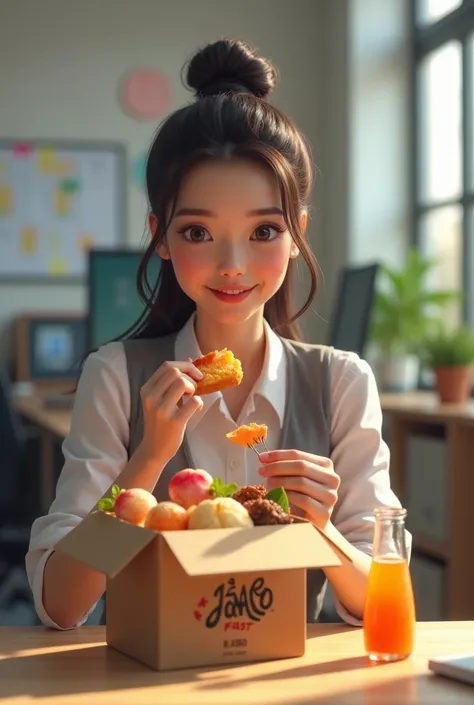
(309, 481)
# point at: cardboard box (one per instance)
(181, 599)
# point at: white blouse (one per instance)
(95, 450)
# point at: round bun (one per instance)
(230, 66)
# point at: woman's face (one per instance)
(228, 240)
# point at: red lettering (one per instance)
(238, 626)
(202, 602)
(197, 615)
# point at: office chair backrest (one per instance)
(11, 443)
(351, 317)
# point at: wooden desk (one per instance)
(420, 415)
(425, 406)
(76, 667)
(52, 420)
(53, 426)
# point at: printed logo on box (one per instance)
(235, 607)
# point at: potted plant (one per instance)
(450, 354)
(405, 311)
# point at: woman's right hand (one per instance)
(168, 403)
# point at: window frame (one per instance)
(457, 25)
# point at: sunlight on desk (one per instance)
(76, 667)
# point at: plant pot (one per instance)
(399, 373)
(453, 384)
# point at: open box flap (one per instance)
(336, 540)
(105, 543)
(283, 547)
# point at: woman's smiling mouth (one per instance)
(232, 294)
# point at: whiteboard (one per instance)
(57, 201)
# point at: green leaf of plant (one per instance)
(230, 489)
(106, 504)
(216, 486)
(278, 495)
(405, 304)
(449, 348)
(115, 491)
(219, 489)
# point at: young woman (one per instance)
(228, 180)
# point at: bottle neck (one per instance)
(390, 535)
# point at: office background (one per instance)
(347, 76)
(344, 70)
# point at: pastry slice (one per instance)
(247, 435)
(221, 370)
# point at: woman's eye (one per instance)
(265, 233)
(195, 233)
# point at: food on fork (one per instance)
(220, 370)
(246, 436)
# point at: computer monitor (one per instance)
(114, 304)
(351, 318)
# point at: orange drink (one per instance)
(389, 619)
(389, 612)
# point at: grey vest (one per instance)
(306, 423)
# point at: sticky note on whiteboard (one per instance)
(69, 185)
(28, 240)
(85, 242)
(47, 161)
(62, 168)
(21, 150)
(57, 266)
(62, 202)
(6, 200)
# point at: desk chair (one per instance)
(351, 318)
(16, 512)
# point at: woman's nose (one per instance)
(232, 261)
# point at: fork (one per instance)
(258, 440)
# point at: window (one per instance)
(444, 144)
(429, 11)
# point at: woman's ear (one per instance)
(294, 251)
(162, 249)
(152, 223)
(303, 222)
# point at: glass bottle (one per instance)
(389, 612)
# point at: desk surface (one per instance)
(76, 667)
(56, 421)
(423, 405)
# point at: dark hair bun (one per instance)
(230, 65)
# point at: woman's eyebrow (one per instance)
(195, 211)
(269, 210)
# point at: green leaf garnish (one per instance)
(278, 495)
(219, 489)
(115, 491)
(107, 504)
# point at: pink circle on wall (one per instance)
(146, 94)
